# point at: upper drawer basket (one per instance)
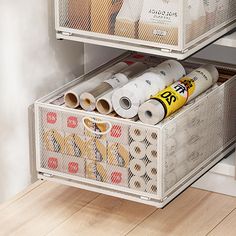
(173, 28)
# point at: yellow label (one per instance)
(190, 85)
(173, 97)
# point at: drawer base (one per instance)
(140, 199)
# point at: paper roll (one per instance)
(152, 186)
(104, 104)
(137, 167)
(137, 134)
(126, 100)
(137, 150)
(152, 136)
(88, 99)
(137, 183)
(152, 153)
(72, 96)
(152, 170)
(174, 97)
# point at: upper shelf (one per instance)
(174, 28)
(227, 41)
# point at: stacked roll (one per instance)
(101, 95)
(72, 97)
(143, 164)
(126, 100)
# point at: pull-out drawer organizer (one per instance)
(173, 28)
(128, 159)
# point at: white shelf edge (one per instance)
(227, 41)
(226, 166)
(217, 183)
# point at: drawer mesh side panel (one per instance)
(127, 156)
(199, 133)
(203, 16)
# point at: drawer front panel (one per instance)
(112, 153)
(173, 25)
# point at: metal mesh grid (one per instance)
(135, 19)
(198, 133)
(127, 156)
(133, 157)
(159, 22)
(205, 15)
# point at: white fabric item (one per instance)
(130, 10)
(197, 9)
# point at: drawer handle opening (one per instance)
(108, 125)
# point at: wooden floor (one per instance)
(56, 210)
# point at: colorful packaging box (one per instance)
(96, 171)
(118, 154)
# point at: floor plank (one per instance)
(226, 227)
(44, 208)
(195, 212)
(21, 194)
(105, 216)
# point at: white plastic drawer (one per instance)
(175, 28)
(125, 158)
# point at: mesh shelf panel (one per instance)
(152, 23)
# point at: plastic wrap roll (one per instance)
(152, 153)
(104, 103)
(152, 186)
(171, 99)
(88, 99)
(72, 97)
(138, 167)
(137, 183)
(152, 136)
(137, 150)
(126, 101)
(152, 170)
(137, 133)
